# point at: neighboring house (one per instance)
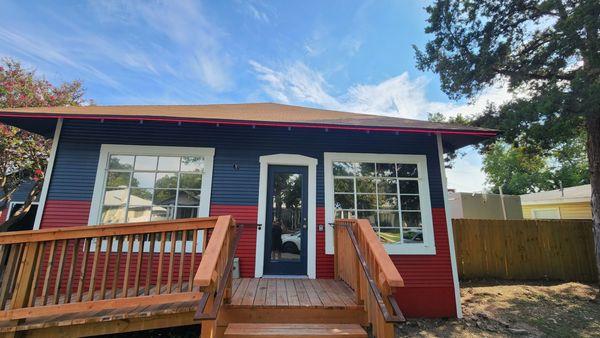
(17, 200)
(484, 206)
(292, 170)
(567, 203)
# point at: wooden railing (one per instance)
(88, 268)
(362, 262)
(214, 277)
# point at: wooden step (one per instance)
(243, 330)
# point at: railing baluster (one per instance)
(117, 267)
(163, 240)
(92, 286)
(171, 261)
(193, 260)
(138, 265)
(12, 252)
(36, 274)
(49, 267)
(74, 253)
(83, 269)
(61, 264)
(149, 263)
(127, 265)
(109, 241)
(181, 259)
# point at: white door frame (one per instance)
(295, 160)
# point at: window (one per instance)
(548, 213)
(144, 183)
(391, 191)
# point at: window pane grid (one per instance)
(144, 188)
(395, 215)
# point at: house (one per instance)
(566, 203)
(484, 206)
(291, 171)
(17, 200)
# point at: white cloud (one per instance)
(197, 40)
(398, 96)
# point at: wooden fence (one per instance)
(525, 249)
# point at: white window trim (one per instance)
(296, 160)
(557, 210)
(107, 149)
(428, 246)
(11, 205)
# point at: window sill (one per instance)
(409, 249)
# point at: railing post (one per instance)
(336, 254)
(24, 280)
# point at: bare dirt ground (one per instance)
(528, 310)
(493, 309)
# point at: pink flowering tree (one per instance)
(23, 155)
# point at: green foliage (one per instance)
(515, 171)
(547, 50)
(23, 154)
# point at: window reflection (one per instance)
(144, 188)
(287, 221)
(387, 194)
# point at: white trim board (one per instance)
(450, 229)
(297, 160)
(428, 245)
(48, 175)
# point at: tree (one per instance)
(23, 154)
(548, 49)
(520, 171)
(515, 171)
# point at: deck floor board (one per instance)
(282, 292)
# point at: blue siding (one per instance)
(77, 156)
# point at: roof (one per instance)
(259, 114)
(581, 193)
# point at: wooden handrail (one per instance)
(397, 317)
(87, 231)
(45, 272)
(385, 263)
(213, 276)
(362, 262)
(206, 271)
(221, 289)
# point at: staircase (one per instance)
(247, 330)
(361, 295)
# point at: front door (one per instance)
(286, 221)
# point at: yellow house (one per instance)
(567, 203)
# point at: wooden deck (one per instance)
(248, 293)
(86, 281)
(275, 292)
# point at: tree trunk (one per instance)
(593, 150)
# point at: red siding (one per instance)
(246, 251)
(429, 287)
(324, 262)
(61, 213)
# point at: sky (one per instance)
(346, 55)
